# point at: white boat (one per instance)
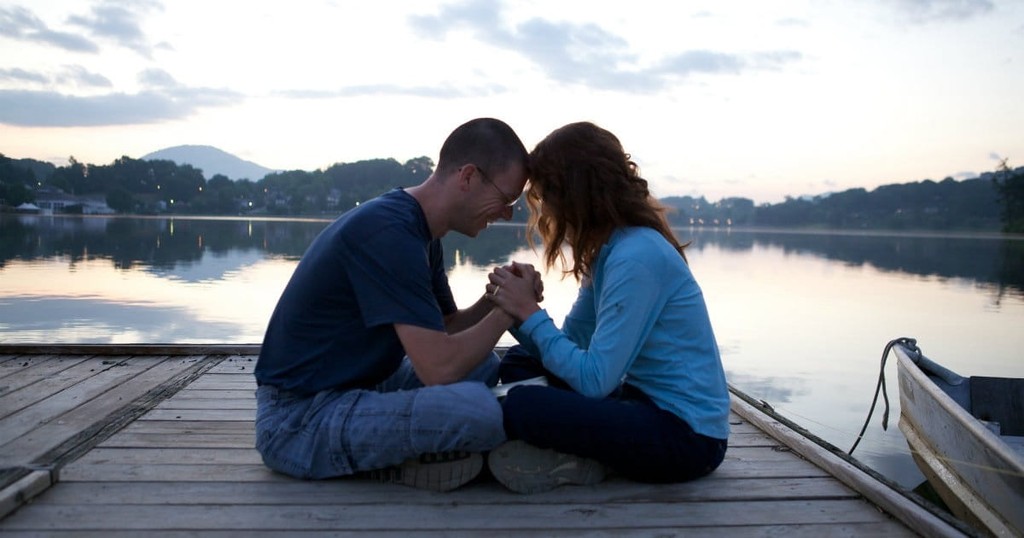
(967, 437)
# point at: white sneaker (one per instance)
(524, 468)
(443, 471)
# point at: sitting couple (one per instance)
(369, 367)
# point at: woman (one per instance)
(635, 379)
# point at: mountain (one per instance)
(211, 161)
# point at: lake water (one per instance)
(801, 318)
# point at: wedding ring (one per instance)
(496, 289)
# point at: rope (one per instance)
(908, 342)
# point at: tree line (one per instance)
(991, 202)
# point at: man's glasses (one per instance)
(509, 201)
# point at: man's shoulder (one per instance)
(387, 212)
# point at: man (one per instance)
(367, 364)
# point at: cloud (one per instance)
(21, 24)
(475, 13)
(429, 92)
(71, 74)
(117, 22)
(53, 109)
(21, 75)
(926, 11)
(586, 54)
(157, 78)
(79, 76)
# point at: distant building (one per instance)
(51, 201)
(27, 207)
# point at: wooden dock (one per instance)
(158, 441)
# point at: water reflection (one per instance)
(93, 320)
(173, 245)
(984, 259)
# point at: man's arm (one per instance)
(440, 358)
(461, 320)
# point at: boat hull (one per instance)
(977, 475)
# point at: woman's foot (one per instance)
(524, 468)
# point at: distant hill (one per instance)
(211, 161)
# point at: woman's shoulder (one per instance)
(639, 241)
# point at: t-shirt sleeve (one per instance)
(394, 280)
(442, 289)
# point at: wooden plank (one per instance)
(25, 489)
(201, 414)
(441, 515)
(80, 415)
(11, 366)
(37, 369)
(860, 530)
(226, 456)
(78, 472)
(163, 456)
(130, 349)
(752, 440)
(191, 394)
(47, 378)
(914, 515)
(215, 384)
(179, 440)
(187, 427)
(210, 404)
(236, 364)
(53, 409)
(364, 491)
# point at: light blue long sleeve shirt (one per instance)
(641, 320)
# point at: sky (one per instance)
(748, 98)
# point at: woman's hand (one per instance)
(516, 289)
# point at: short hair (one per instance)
(488, 143)
(583, 186)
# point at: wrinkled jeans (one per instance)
(336, 433)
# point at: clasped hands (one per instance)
(516, 288)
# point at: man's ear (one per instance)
(465, 176)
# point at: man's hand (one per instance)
(527, 271)
(516, 294)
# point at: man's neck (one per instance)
(430, 196)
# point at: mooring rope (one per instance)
(908, 342)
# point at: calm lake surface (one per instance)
(801, 318)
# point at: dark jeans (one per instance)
(625, 431)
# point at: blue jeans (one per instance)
(625, 431)
(337, 433)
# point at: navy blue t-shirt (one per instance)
(333, 326)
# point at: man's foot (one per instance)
(443, 471)
(524, 468)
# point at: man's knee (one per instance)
(466, 414)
